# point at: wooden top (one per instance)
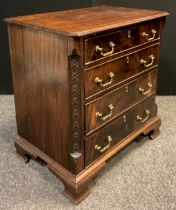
(85, 21)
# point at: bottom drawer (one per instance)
(100, 142)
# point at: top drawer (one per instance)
(109, 44)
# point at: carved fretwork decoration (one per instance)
(75, 88)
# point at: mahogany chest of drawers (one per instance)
(84, 83)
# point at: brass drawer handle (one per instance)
(146, 36)
(100, 149)
(100, 81)
(145, 118)
(144, 63)
(100, 49)
(105, 117)
(143, 92)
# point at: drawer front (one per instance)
(103, 46)
(104, 109)
(100, 78)
(106, 138)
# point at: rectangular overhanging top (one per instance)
(80, 22)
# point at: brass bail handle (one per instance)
(144, 63)
(142, 90)
(100, 82)
(147, 36)
(102, 149)
(105, 117)
(100, 49)
(145, 118)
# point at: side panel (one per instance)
(41, 86)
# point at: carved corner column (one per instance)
(77, 144)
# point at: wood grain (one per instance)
(152, 124)
(77, 186)
(41, 89)
(122, 99)
(118, 130)
(79, 22)
(122, 70)
(124, 39)
(54, 67)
